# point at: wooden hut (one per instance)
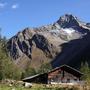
(62, 74)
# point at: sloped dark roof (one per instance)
(31, 77)
(34, 77)
(68, 69)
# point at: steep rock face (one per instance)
(18, 45)
(44, 44)
(31, 45)
(41, 42)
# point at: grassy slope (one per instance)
(36, 87)
(22, 88)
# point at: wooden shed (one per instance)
(62, 74)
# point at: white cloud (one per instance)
(14, 6)
(2, 5)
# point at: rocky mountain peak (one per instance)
(67, 17)
(68, 21)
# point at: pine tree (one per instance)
(86, 71)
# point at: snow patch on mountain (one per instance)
(68, 30)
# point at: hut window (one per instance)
(75, 79)
(68, 80)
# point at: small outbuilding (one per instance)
(62, 74)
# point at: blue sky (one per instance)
(15, 15)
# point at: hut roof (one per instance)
(68, 69)
(34, 76)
